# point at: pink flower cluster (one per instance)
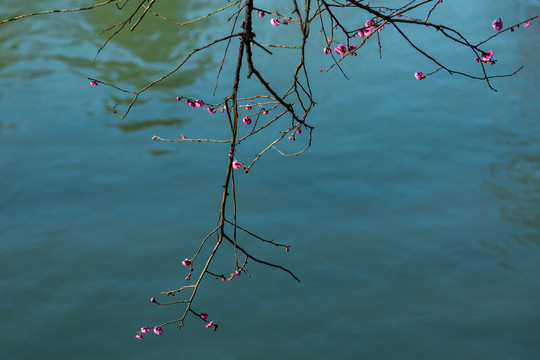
(209, 324)
(368, 28)
(198, 103)
(341, 49)
(419, 76)
(275, 21)
(158, 330)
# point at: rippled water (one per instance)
(414, 219)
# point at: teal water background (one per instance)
(414, 219)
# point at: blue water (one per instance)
(414, 219)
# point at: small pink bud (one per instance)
(247, 120)
(298, 131)
(527, 24)
(327, 50)
(139, 336)
(186, 262)
(154, 137)
(418, 75)
(158, 330)
(204, 315)
(209, 325)
(261, 14)
(223, 279)
(477, 60)
(145, 330)
(265, 112)
(199, 103)
(275, 22)
(237, 272)
(248, 107)
(178, 98)
(94, 83)
(153, 299)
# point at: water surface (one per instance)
(414, 219)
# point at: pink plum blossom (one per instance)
(186, 262)
(341, 49)
(237, 164)
(211, 111)
(94, 83)
(139, 336)
(248, 107)
(327, 50)
(158, 330)
(275, 22)
(190, 103)
(527, 24)
(145, 330)
(486, 57)
(209, 325)
(418, 75)
(247, 120)
(497, 24)
(199, 103)
(261, 14)
(204, 315)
